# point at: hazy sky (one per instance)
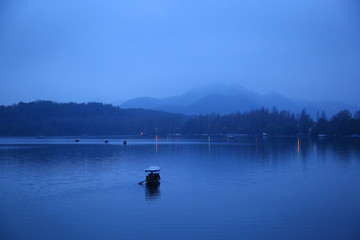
(115, 50)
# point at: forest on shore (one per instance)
(46, 118)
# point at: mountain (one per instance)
(225, 99)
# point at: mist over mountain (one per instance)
(224, 99)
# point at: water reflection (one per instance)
(152, 192)
(258, 182)
(156, 143)
(209, 143)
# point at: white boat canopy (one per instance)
(152, 169)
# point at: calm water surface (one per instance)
(53, 188)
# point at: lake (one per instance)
(247, 188)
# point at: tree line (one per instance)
(274, 122)
(69, 119)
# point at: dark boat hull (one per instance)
(152, 183)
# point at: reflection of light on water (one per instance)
(298, 147)
(314, 147)
(156, 143)
(209, 142)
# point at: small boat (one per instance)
(152, 175)
(77, 140)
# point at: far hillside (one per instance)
(225, 99)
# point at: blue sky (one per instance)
(115, 50)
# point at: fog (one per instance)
(112, 51)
